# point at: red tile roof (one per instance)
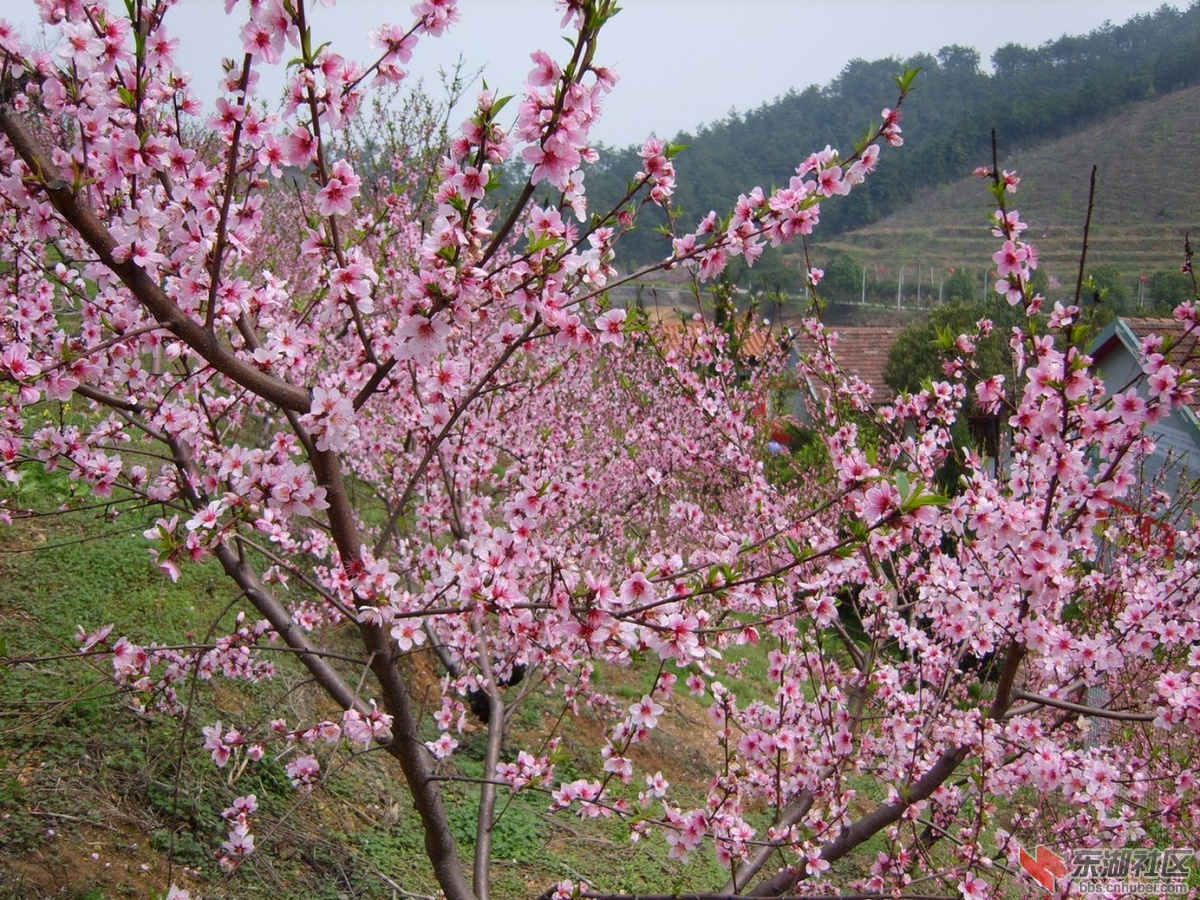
(753, 342)
(862, 351)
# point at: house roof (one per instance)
(862, 351)
(1130, 333)
(679, 335)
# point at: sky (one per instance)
(682, 63)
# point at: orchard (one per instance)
(390, 394)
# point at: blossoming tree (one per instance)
(378, 396)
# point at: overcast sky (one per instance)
(682, 62)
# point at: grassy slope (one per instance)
(92, 796)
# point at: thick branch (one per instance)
(1083, 710)
(871, 824)
(796, 810)
(407, 746)
(292, 634)
(1087, 229)
(414, 759)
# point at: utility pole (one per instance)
(863, 301)
(899, 287)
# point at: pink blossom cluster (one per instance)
(787, 214)
(381, 399)
(240, 842)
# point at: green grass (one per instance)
(81, 773)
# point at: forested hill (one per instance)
(1032, 95)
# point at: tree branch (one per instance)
(145, 289)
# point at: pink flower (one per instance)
(1010, 258)
(342, 187)
(553, 161)
(864, 165)
(880, 501)
(830, 182)
(215, 744)
(129, 658)
(303, 771)
(299, 147)
(645, 712)
(242, 807)
(408, 633)
(609, 326)
(546, 71)
(813, 863)
(1161, 382)
(422, 339)
(675, 638)
(472, 182)
(990, 393)
(88, 640)
(443, 746)
(436, 15)
(636, 589)
(973, 888)
(392, 38)
(17, 362)
(262, 41)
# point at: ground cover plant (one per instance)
(386, 395)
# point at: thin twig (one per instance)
(1087, 228)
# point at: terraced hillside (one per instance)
(1147, 198)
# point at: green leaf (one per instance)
(944, 338)
(904, 81)
(920, 500)
(861, 144)
(536, 245)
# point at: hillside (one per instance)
(1148, 167)
(1077, 90)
